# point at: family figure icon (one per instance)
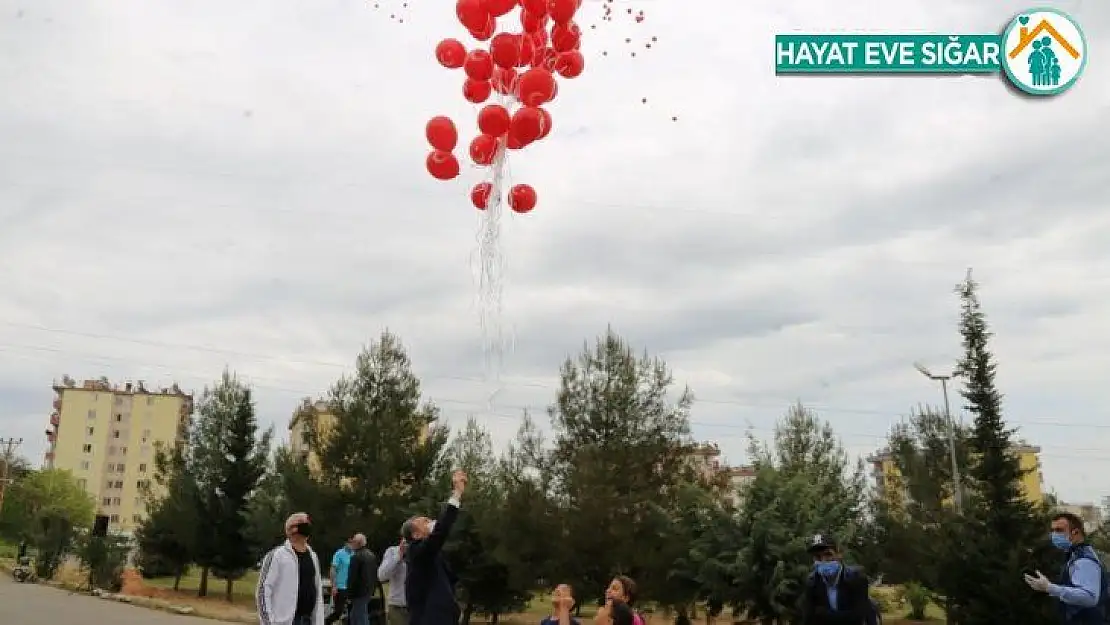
(1044, 67)
(1045, 52)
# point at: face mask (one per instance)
(827, 569)
(304, 529)
(1060, 540)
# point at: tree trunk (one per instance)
(177, 580)
(494, 618)
(230, 589)
(468, 611)
(202, 587)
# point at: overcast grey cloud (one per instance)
(185, 186)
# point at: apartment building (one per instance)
(889, 483)
(706, 460)
(300, 429)
(1089, 512)
(105, 434)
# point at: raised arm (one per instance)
(434, 542)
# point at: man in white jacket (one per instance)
(290, 591)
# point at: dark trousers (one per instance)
(305, 619)
(338, 607)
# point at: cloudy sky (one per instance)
(190, 185)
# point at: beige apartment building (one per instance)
(106, 434)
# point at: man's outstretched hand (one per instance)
(458, 482)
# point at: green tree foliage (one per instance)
(1001, 528)
(804, 484)
(620, 447)
(381, 459)
(104, 558)
(167, 537)
(226, 459)
(43, 508)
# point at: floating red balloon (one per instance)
(494, 120)
(565, 37)
(471, 14)
(562, 11)
(535, 7)
(526, 125)
(522, 198)
(451, 53)
(505, 49)
(570, 64)
(531, 22)
(476, 91)
(527, 50)
(504, 80)
(478, 65)
(482, 149)
(536, 86)
(479, 195)
(442, 165)
(486, 31)
(441, 133)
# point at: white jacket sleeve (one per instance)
(264, 594)
(318, 613)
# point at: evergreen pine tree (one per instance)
(1001, 528)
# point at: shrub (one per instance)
(917, 597)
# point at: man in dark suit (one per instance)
(835, 594)
(430, 584)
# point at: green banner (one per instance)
(887, 54)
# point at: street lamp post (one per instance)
(958, 491)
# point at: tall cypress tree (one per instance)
(1001, 527)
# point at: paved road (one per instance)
(31, 604)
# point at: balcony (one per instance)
(58, 404)
(55, 419)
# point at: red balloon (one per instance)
(472, 14)
(527, 124)
(546, 124)
(535, 7)
(479, 195)
(514, 143)
(478, 65)
(450, 53)
(482, 149)
(536, 86)
(493, 119)
(527, 50)
(550, 57)
(442, 165)
(505, 49)
(441, 133)
(522, 198)
(476, 91)
(486, 31)
(565, 37)
(531, 22)
(497, 8)
(539, 39)
(504, 80)
(562, 11)
(570, 64)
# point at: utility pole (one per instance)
(958, 490)
(10, 445)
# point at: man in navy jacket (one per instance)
(430, 584)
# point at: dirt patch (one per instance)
(166, 599)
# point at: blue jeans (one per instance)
(360, 611)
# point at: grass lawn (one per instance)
(243, 590)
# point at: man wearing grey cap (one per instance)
(430, 584)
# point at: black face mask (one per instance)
(304, 529)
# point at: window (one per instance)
(123, 451)
(142, 468)
(142, 484)
(92, 414)
(115, 501)
(82, 484)
(107, 501)
(119, 418)
(121, 467)
(85, 465)
(119, 484)
(86, 448)
(89, 431)
(136, 518)
(138, 502)
(115, 433)
(114, 518)
(306, 437)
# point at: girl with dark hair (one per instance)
(622, 591)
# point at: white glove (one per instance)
(1039, 583)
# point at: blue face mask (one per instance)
(828, 569)
(1060, 541)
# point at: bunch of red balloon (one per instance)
(521, 68)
